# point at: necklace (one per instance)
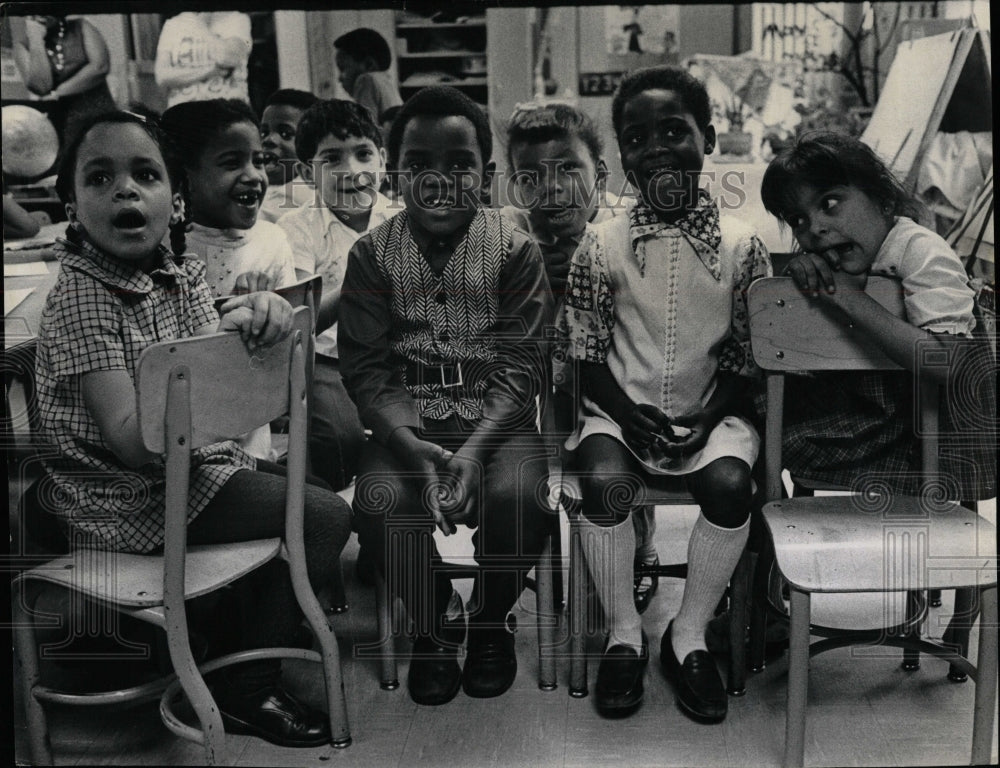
(57, 54)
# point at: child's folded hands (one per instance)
(261, 318)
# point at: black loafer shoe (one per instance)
(490, 664)
(644, 587)
(619, 689)
(697, 683)
(434, 676)
(275, 716)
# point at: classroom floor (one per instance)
(863, 709)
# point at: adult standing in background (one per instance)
(203, 56)
(65, 59)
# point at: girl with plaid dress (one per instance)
(853, 219)
(120, 290)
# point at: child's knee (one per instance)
(724, 491)
(608, 497)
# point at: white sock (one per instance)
(713, 553)
(609, 552)
(644, 520)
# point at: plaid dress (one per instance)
(856, 429)
(100, 315)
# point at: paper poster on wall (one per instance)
(642, 29)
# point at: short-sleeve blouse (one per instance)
(100, 315)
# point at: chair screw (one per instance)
(780, 302)
(780, 355)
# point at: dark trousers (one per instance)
(251, 505)
(336, 434)
(395, 526)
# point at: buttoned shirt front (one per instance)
(320, 242)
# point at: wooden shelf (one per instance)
(469, 82)
(441, 55)
(449, 25)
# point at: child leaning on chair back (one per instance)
(118, 291)
(853, 219)
(655, 319)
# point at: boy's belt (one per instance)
(446, 375)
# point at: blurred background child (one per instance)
(278, 123)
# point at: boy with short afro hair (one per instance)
(278, 124)
(442, 344)
(339, 150)
(363, 60)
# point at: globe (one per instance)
(30, 143)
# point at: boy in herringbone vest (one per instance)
(441, 333)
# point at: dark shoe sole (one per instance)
(434, 701)
(243, 728)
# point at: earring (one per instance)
(76, 225)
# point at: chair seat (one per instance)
(835, 544)
(136, 581)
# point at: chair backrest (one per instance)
(231, 390)
(304, 293)
(790, 332)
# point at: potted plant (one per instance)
(734, 140)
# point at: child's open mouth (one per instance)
(129, 218)
(249, 199)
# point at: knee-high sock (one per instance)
(712, 556)
(609, 552)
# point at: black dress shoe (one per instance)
(697, 683)
(619, 689)
(490, 663)
(644, 587)
(434, 677)
(276, 716)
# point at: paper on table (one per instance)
(26, 269)
(11, 298)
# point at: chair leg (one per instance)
(798, 679)
(27, 677)
(758, 609)
(338, 597)
(389, 679)
(986, 678)
(736, 683)
(558, 599)
(959, 629)
(577, 615)
(546, 619)
(914, 607)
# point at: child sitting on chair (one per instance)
(555, 156)
(217, 144)
(118, 291)
(853, 219)
(655, 317)
(340, 151)
(442, 323)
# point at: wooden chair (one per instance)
(864, 543)
(190, 393)
(665, 491)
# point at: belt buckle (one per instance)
(444, 369)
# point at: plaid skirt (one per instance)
(858, 429)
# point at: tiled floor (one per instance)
(863, 710)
